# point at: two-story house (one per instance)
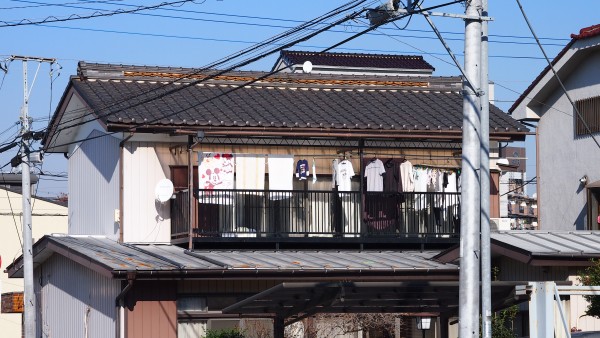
(568, 147)
(199, 196)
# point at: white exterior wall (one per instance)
(563, 158)
(94, 186)
(67, 307)
(47, 218)
(145, 220)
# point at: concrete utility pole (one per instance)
(486, 262)
(29, 303)
(470, 187)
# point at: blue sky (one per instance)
(200, 32)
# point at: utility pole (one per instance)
(29, 303)
(474, 143)
(486, 262)
(470, 188)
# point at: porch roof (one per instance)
(541, 248)
(153, 261)
(178, 100)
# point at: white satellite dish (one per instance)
(164, 190)
(307, 67)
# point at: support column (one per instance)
(541, 310)
(278, 327)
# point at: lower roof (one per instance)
(152, 261)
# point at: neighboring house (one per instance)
(526, 257)
(246, 229)
(518, 210)
(568, 180)
(47, 217)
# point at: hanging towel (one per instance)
(281, 169)
(250, 172)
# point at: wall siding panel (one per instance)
(66, 307)
(94, 187)
(152, 310)
(144, 219)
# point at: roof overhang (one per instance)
(531, 105)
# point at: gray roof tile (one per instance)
(297, 100)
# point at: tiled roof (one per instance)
(148, 97)
(587, 32)
(357, 60)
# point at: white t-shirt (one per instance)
(344, 174)
(373, 172)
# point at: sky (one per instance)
(197, 33)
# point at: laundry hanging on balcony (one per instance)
(216, 172)
(280, 178)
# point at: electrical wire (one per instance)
(585, 124)
(12, 210)
(97, 14)
(521, 186)
(259, 78)
(142, 96)
(49, 5)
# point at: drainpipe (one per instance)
(191, 144)
(120, 302)
(120, 218)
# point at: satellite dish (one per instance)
(164, 190)
(307, 67)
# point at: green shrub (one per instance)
(225, 333)
(591, 277)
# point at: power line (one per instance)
(562, 86)
(97, 14)
(49, 5)
(230, 15)
(348, 17)
(144, 99)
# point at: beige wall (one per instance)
(47, 218)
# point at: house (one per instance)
(566, 141)
(567, 138)
(197, 194)
(47, 217)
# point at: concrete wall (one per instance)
(564, 158)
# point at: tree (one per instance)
(590, 276)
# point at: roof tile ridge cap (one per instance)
(587, 32)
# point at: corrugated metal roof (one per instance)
(114, 259)
(554, 243)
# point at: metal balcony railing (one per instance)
(296, 214)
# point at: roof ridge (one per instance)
(587, 32)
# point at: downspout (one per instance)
(120, 216)
(120, 302)
(191, 201)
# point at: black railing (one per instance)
(260, 214)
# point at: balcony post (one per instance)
(191, 192)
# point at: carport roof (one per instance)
(295, 301)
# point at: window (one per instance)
(589, 109)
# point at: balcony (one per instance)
(295, 217)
